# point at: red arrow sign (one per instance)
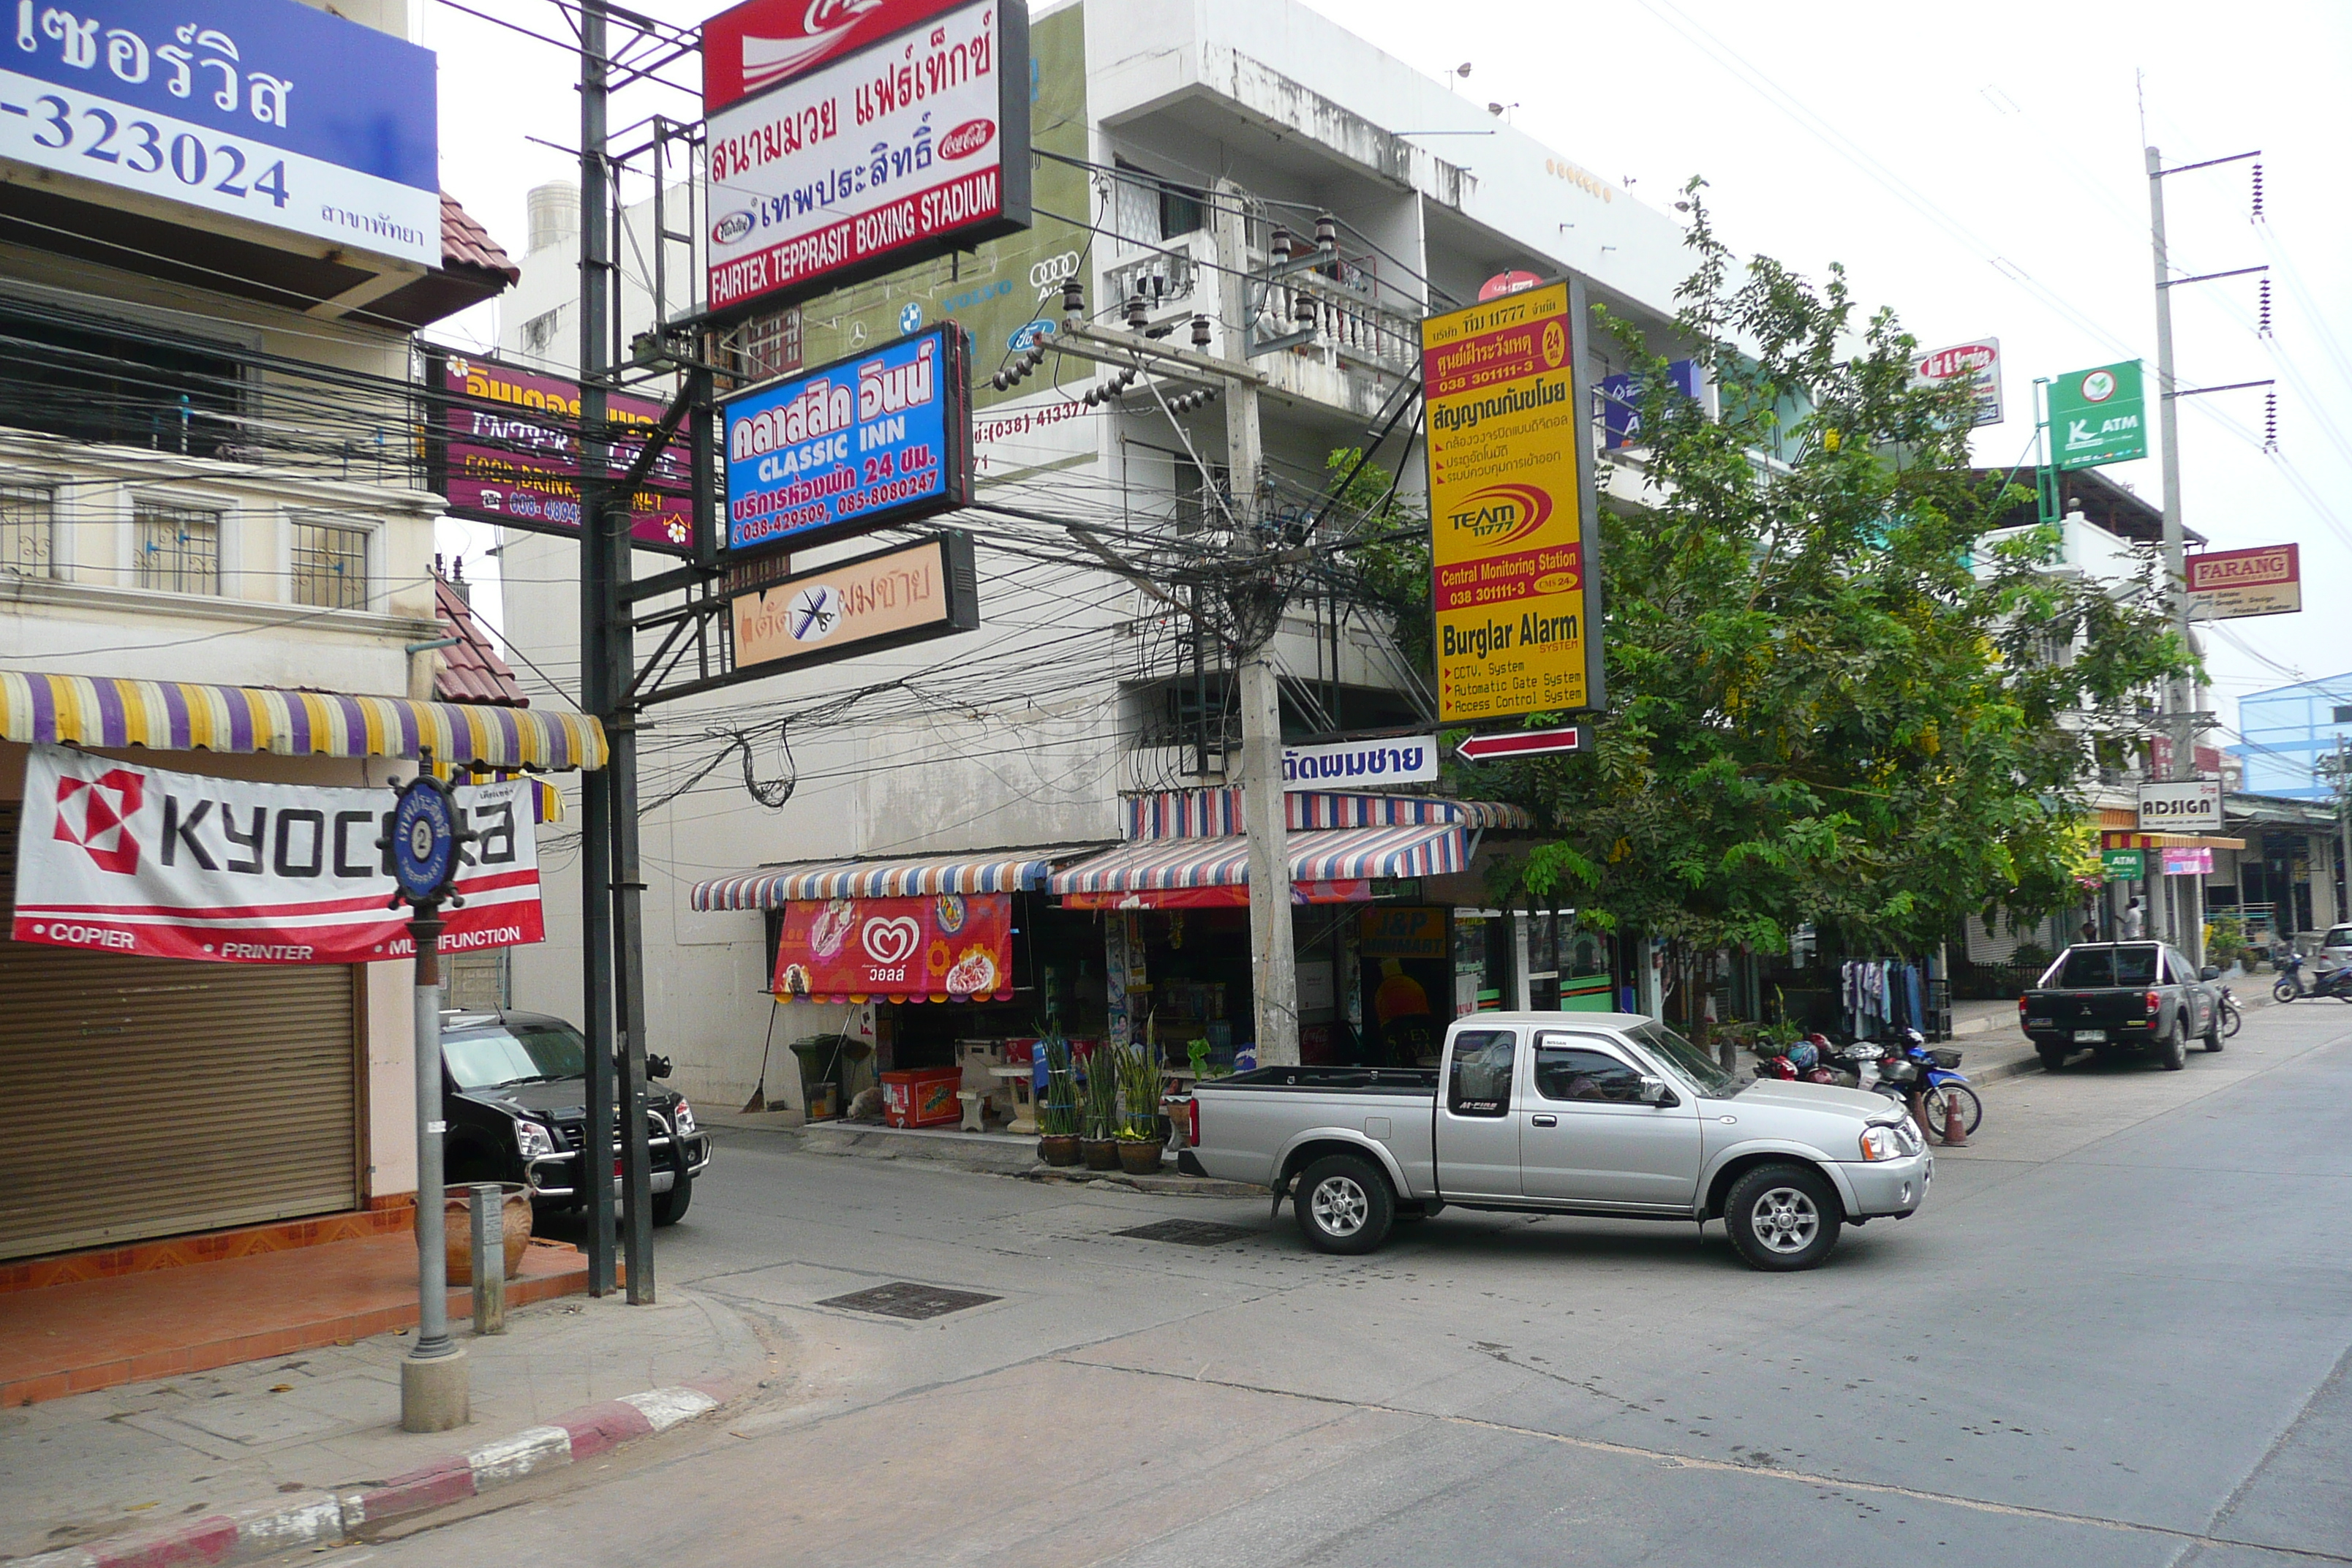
(1526, 743)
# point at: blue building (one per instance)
(2286, 734)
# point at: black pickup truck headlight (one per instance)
(685, 1116)
(533, 1140)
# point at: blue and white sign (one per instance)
(880, 438)
(1408, 759)
(261, 110)
(1620, 416)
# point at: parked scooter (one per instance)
(2291, 985)
(1942, 1088)
(2230, 1016)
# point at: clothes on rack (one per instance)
(1878, 995)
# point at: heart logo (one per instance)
(889, 942)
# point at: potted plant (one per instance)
(1142, 1135)
(1058, 1110)
(1098, 1109)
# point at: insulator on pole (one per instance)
(2270, 421)
(2262, 328)
(1200, 331)
(1305, 312)
(1278, 248)
(1074, 297)
(2258, 190)
(1138, 316)
(1327, 233)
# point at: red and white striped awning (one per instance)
(1412, 850)
(773, 887)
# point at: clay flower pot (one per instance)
(1138, 1158)
(457, 1230)
(1059, 1149)
(1102, 1153)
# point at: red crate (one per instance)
(923, 1097)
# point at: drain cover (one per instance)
(1190, 1232)
(904, 1298)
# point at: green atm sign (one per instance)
(2097, 415)
(2124, 865)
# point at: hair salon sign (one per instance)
(1410, 758)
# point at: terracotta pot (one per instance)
(1137, 1159)
(1059, 1149)
(1102, 1154)
(457, 1230)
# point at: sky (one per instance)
(1978, 169)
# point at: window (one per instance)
(1564, 1072)
(763, 347)
(1480, 1079)
(2096, 968)
(518, 1053)
(1147, 209)
(330, 565)
(2343, 713)
(124, 386)
(538, 333)
(28, 531)
(179, 548)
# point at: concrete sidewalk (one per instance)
(298, 1450)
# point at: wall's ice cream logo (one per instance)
(1501, 514)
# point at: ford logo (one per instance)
(967, 139)
(1024, 337)
(730, 227)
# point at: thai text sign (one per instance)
(950, 947)
(2097, 415)
(2226, 583)
(864, 163)
(761, 43)
(1975, 365)
(897, 596)
(168, 865)
(882, 437)
(273, 113)
(2197, 862)
(507, 450)
(1510, 548)
(1410, 758)
(2193, 806)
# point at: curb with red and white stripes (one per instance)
(315, 1520)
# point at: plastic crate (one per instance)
(923, 1097)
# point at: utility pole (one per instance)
(1273, 962)
(2343, 832)
(2180, 702)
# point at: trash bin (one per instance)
(822, 1059)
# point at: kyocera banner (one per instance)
(131, 860)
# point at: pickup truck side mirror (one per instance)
(1655, 1092)
(656, 1067)
(2211, 972)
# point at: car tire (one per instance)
(1783, 1218)
(2171, 1051)
(670, 1208)
(2214, 1032)
(1344, 1205)
(2053, 1056)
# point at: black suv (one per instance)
(514, 1088)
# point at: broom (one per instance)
(759, 1101)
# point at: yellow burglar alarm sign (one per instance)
(1510, 514)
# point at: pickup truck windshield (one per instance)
(1697, 1070)
(2101, 968)
(485, 1058)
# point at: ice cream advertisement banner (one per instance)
(950, 947)
(123, 858)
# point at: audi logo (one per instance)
(1051, 271)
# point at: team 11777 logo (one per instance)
(96, 814)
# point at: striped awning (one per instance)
(776, 886)
(181, 716)
(1207, 812)
(1332, 854)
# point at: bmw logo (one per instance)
(910, 317)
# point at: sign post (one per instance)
(424, 840)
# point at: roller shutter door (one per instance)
(151, 1098)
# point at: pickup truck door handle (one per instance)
(1545, 1120)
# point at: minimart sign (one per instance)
(2191, 806)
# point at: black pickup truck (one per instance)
(514, 1088)
(2119, 996)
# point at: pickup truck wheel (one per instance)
(1344, 1205)
(2171, 1052)
(670, 1208)
(2213, 1035)
(2053, 1056)
(1782, 1217)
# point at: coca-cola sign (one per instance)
(762, 43)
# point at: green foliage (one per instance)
(2225, 939)
(1099, 1096)
(1138, 1075)
(1832, 694)
(1058, 1115)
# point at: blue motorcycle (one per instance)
(1941, 1087)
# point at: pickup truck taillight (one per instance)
(1192, 1123)
(2152, 1001)
(2022, 1009)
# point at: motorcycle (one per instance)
(2230, 1016)
(2291, 986)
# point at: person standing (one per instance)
(2134, 921)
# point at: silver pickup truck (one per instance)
(1578, 1113)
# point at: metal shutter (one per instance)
(148, 1097)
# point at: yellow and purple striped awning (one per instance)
(776, 886)
(181, 716)
(1222, 860)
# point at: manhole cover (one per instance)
(1190, 1232)
(903, 1299)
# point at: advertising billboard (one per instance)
(2097, 415)
(950, 947)
(2193, 806)
(505, 448)
(1620, 410)
(266, 111)
(760, 43)
(2224, 585)
(1976, 364)
(1513, 533)
(910, 594)
(881, 437)
(907, 147)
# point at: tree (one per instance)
(1831, 698)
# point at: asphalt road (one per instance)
(2118, 1334)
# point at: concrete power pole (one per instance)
(1274, 964)
(2180, 692)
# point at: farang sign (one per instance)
(1410, 758)
(2224, 585)
(506, 449)
(122, 858)
(2193, 806)
(1512, 536)
(886, 600)
(1975, 365)
(853, 164)
(884, 436)
(267, 112)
